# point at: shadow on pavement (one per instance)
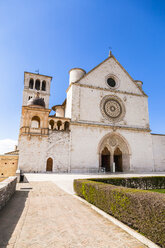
(10, 214)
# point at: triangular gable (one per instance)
(86, 77)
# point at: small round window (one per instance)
(111, 82)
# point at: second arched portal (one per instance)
(114, 151)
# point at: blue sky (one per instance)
(57, 35)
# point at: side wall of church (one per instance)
(158, 151)
(59, 150)
(34, 152)
(85, 148)
(32, 155)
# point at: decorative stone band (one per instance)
(108, 126)
(112, 108)
(104, 89)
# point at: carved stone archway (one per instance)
(119, 151)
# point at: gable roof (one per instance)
(111, 56)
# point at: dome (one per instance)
(36, 101)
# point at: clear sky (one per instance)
(57, 35)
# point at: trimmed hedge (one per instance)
(142, 210)
(157, 182)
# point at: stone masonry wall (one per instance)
(158, 151)
(8, 165)
(34, 152)
(58, 149)
(7, 189)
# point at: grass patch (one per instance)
(158, 190)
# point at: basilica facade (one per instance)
(103, 124)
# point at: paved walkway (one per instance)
(65, 181)
(41, 215)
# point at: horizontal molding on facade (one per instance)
(113, 127)
(109, 90)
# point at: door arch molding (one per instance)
(113, 141)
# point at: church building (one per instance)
(103, 124)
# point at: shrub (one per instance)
(135, 182)
(140, 209)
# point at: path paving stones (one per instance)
(46, 216)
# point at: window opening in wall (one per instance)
(44, 85)
(66, 126)
(51, 123)
(59, 124)
(37, 84)
(111, 82)
(31, 83)
(30, 97)
(35, 123)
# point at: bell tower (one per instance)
(34, 83)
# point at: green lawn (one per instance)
(158, 190)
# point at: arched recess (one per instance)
(51, 123)
(105, 159)
(35, 122)
(66, 126)
(49, 164)
(59, 124)
(118, 160)
(119, 151)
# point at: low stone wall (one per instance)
(7, 189)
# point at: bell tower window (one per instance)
(44, 85)
(31, 83)
(37, 84)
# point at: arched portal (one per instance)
(49, 164)
(118, 160)
(105, 159)
(119, 152)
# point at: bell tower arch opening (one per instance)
(114, 148)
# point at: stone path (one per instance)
(65, 181)
(46, 216)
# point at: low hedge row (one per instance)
(140, 209)
(153, 182)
